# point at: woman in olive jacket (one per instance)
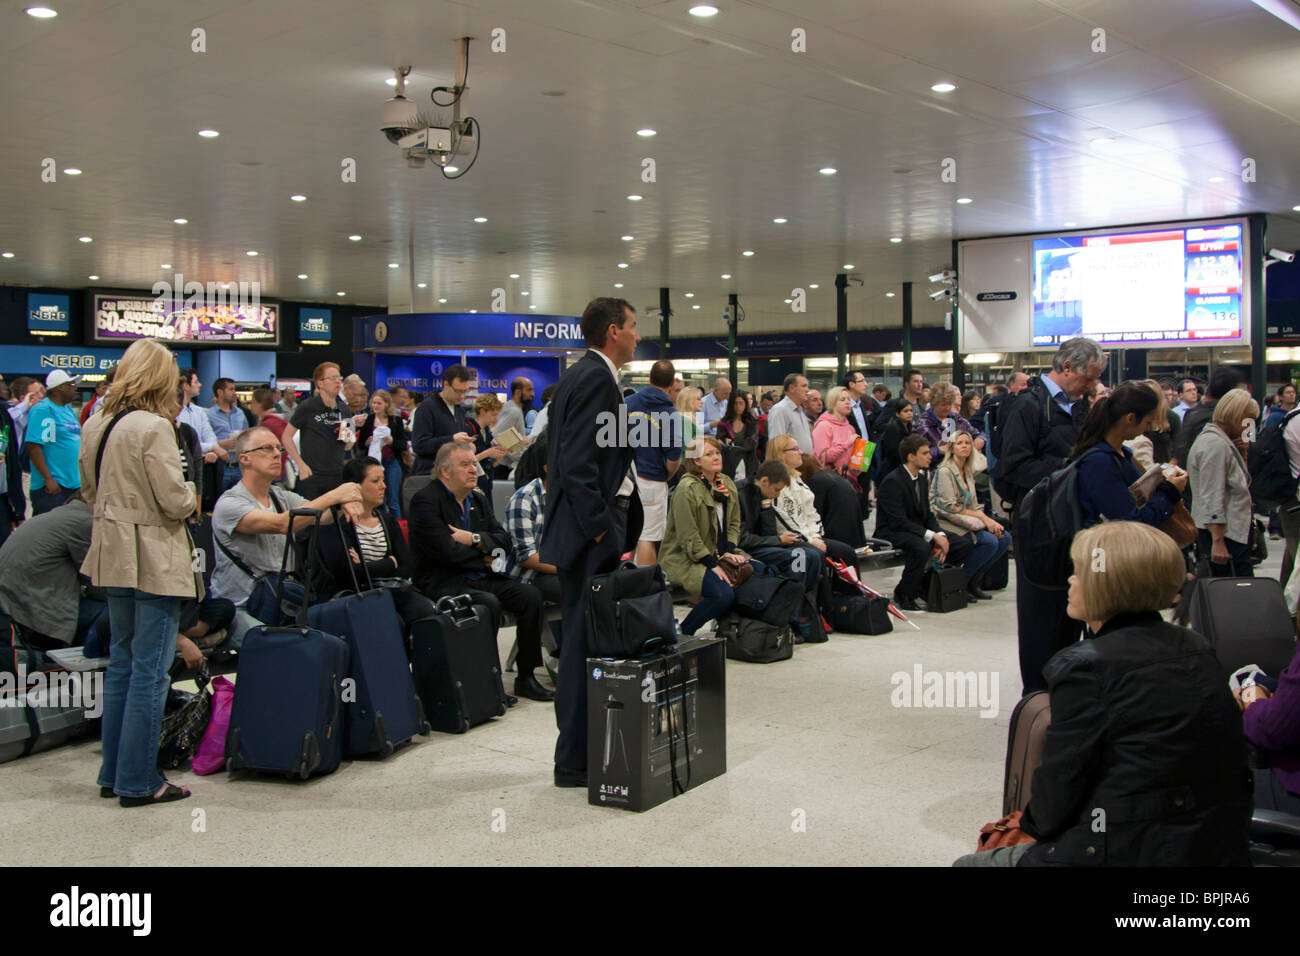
(141, 552)
(702, 534)
(1144, 762)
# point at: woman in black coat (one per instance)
(374, 540)
(1144, 762)
(899, 427)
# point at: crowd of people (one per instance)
(722, 485)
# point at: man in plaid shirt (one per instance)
(525, 515)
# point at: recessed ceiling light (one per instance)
(209, 133)
(422, 285)
(964, 201)
(85, 239)
(93, 278)
(849, 266)
(10, 255)
(1295, 208)
(451, 169)
(627, 238)
(695, 307)
(42, 13)
(944, 87)
(302, 275)
(480, 218)
(813, 285)
(1213, 179)
(475, 312)
(298, 197)
(828, 170)
(748, 252)
(354, 238)
(690, 295)
(1102, 141)
(889, 295)
(780, 220)
(391, 81)
(532, 307)
(340, 293)
(514, 275)
(525, 292)
(442, 300)
(726, 275)
(622, 265)
(1070, 224)
(618, 285)
(251, 252)
(165, 265)
(635, 198)
(394, 265)
(180, 222)
(647, 133)
(72, 171)
(788, 301)
(895, 238)
(704, 10)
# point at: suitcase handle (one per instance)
(314, 514)
(335, 510)
(458, 608)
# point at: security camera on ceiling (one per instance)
(1281, 255)
(451, 144)
(938, 294)
(947, 275)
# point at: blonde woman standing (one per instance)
(140, 551)
(690, 402)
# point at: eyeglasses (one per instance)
(332, 378)
(277, 449)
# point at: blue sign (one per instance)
(314, 326)
(38, 361)
(464, 330)
(47, 314)
(798, 344)
(423, 373)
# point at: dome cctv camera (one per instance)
(400, 118)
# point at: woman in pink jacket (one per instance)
(833, 435)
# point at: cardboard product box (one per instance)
(646, 718)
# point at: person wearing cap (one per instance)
(53, 442)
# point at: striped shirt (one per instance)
(373, 541)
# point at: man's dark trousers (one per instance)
(1044, 627)
(571, 688)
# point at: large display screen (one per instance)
(219, 320)
(1164, 285)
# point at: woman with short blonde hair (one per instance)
(689, 402)
(140, 551)
(1221, 503)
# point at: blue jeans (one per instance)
(716, 597)
(783, 558)
(988, 548)
(42, 501)
(135, 689)
(393, 486)
(229, 478)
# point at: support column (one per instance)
(665, 313)
(907, 324)
(733, 319)
(1258, 303)
(842, 326)
(958, 364)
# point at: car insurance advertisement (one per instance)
(198, 320)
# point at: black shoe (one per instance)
(526, 685)
(906, 604)
(511, 700)
(975, 594)
(570, 778)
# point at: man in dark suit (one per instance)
(440, 418)
(905, 520)
(860, 418)
(588, 499)
(460, 548)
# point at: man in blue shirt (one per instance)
(227, 420)
(715, 405)
(1189, 394)
(53, 443)
(655, 431)
(197, 417)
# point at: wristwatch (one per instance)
(476, 538)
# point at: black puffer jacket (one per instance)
(1144, 730)
(1036, 436)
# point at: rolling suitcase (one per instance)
(383, 709)
(287, 716)
(1025, 739)
(1246, 622)
(945, 590)
(998, 575)
(15, 732)
(457, 666)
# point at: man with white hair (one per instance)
(715, 405)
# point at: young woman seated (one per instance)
(796, 506)
(952, 498)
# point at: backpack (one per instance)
(1271, 482)
(1046, 521)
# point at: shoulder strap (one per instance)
(235, 559)
(103, 439)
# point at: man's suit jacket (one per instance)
(583, 478)
(439, 556)
(431, 428)
(898, 509)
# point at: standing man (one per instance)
(674, 389)
(913, 391)
(440, 419)
(1039, 431)
(787, 416)
(325, 439)
(813, 406)
(993, 408)
(657, 457)
(53, 443)
(588, 504)
(715, 405)
(13, 503)
(227, 420)
(197, 417)
(879, 395)
(859, 417)
(512, 416)
(402, 403)
(101, 387)
(1189, 396)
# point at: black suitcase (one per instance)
(945, 590)
(287, 714)
(1246, 621)
(457, 666)
(860, 614)
(755, 641)
(998, 574)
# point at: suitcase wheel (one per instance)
(425, 728)
(501, 709)
(463, 726)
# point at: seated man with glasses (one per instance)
(250, 521)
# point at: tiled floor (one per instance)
(876, 784)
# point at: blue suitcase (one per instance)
(287, 715)
(382, 707)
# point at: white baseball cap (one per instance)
(59, 377)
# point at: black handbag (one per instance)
(629, 612)
(769, 597)
(945, 589)
(182, 730)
